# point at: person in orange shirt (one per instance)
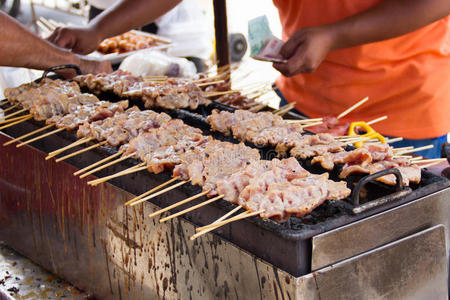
(397, 52)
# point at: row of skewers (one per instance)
(269, 129)
(172, 93)
(170, 144)
(221, 168)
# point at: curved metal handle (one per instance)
(60, 67)
(373, 177)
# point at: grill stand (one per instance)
(85, 235)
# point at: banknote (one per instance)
(263, 44)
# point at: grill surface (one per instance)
(287, 245)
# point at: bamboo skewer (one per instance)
(430, 160)
(218, 224)
(377, 120)
(398, 139)
(40, 137)
(151, 191)
(80, 151)
(402, 149)
(15, 113)
(432, 164)
(28, 134)
(352, 137)
(353, 107)
(10, 108)
(191, 208)
(47, 23)
(312, 124)
(231, 212)
(16, 122)
(219, 75)
(205, 79)
(55, 24)
(210, 83)
(14, 119)
(158, 212)
(107, 165)
(97, 163)
(61, 150)
(214, 94)
(159, 193)
(133, 169)
(3, 102)
(284, 108)
(415, 158)
(305, 120)
(414, 150)
(241, 216)
(353, 141)
(404, 156)
(44, 28)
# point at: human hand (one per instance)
(87, 66)
(305, 50)
(80, 39)
(92, 66)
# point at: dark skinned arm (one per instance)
(21, 48)
(123, 16)
(309, 46)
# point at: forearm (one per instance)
(129, 14)
(21, 48)
(389, 19)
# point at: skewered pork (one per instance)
(122, 127)
(369, 159)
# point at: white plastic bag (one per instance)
(156, 63)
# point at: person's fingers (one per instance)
(53, 36)
(300, 63)
(64, 41)
(294, 65)
(80, 48)
(292, 44)
(282, 68)
(65, 38)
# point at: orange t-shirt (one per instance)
(407, 78)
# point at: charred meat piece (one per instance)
(219, 160)
(117, 82)
(80, 113)
(122, 127)
(282, 188)
(331, 125)
(369, 159)
(162, 148)
(171, 94)
(262, 129)
(48, 90)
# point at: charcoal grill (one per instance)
(288, 248)
(86, 235)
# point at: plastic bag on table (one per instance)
(156, 63)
